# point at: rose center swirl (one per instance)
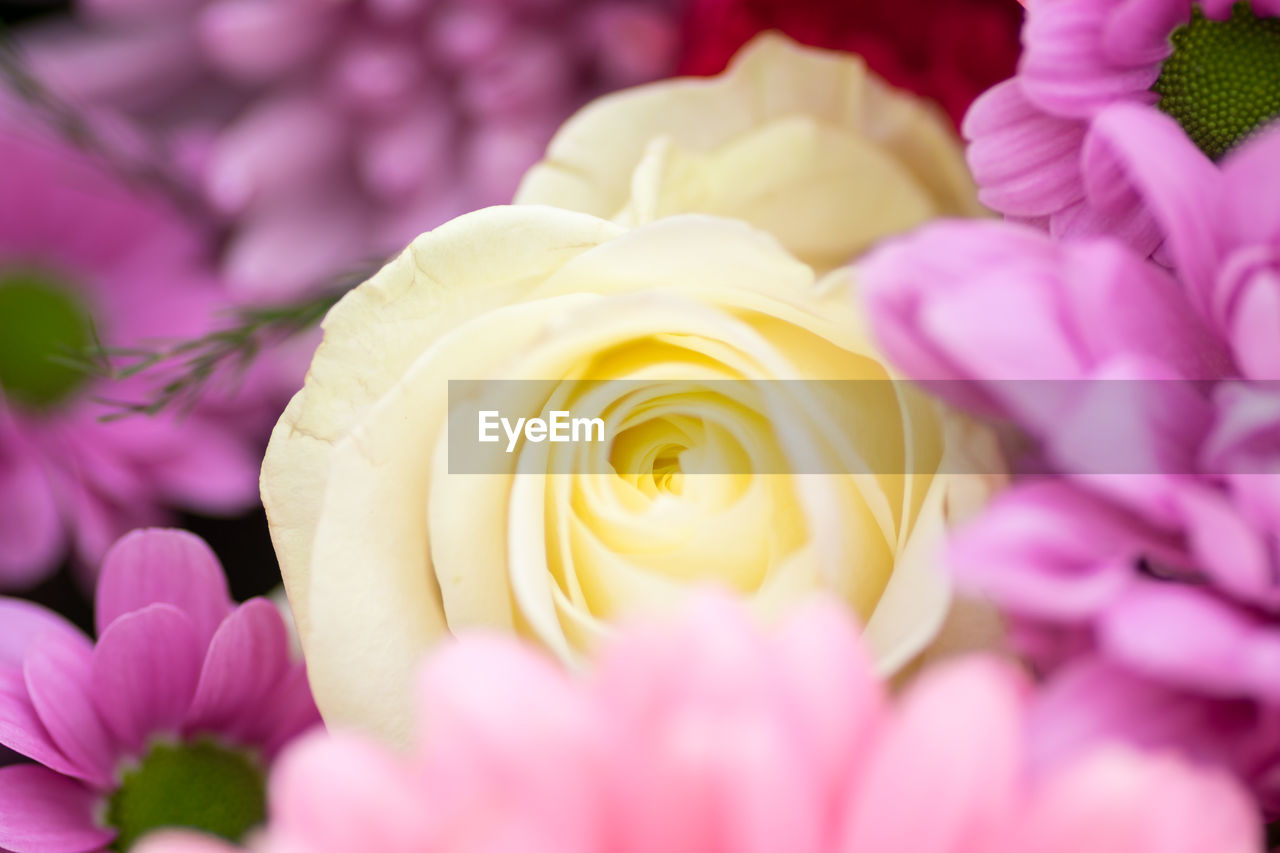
(200, 785)
(41, 320)
(1222, 81)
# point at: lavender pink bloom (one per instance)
(1170, 579)
(181, 688)
(711, 735)
(82, 253)
(1210, 65)
(327, 135)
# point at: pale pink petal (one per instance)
(945, 773)
(59, 676)
(1092, 701)
(247, 657)
(145, 670)
(373, 803)
(1116, 801)
(42, 812)
(160, 566)
(831, 687)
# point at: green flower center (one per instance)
(1222, 81)
(40, 321)
(200, 785)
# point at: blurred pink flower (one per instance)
(82, 254)
(1213, 66)
(1171, 578)
(329, 134)
(713, 736)
(170, 719)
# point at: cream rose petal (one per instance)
(755, 144)
(379, 329)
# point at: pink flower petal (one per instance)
(1116, 801)
(963, 723)
(59, 677)
(293, 712)
(21, 623)
(21, 729)
(274, 149)
(31, 533)
(1026, 162)
(1065, 68)
(373, 804)
(164, 567)
(214, 472)
(42, 812)
(247, 658)
(1179, 184)
(145, 670)
(255, 41)
(1184, 636)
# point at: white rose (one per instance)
(384, 552)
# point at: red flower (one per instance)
(948, 50)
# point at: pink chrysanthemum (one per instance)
(330, 134)
(1170, 578)
(1213, 66)
(81, 255)
(170, 719)
(712, 736)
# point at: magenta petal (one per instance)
(215, 474)
(1184, 636)
(59, 677)
(248, 656)
(42, 812)
(145, 670)
(1179, 184)
(21, 729)
(31, 536)
(293, 712)
(1252, 181)
(163, 567)
(1065, 68)
(1026, 162)
(255, 41)
(21, 623)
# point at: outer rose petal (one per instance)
(591, 164)
(433, 286)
